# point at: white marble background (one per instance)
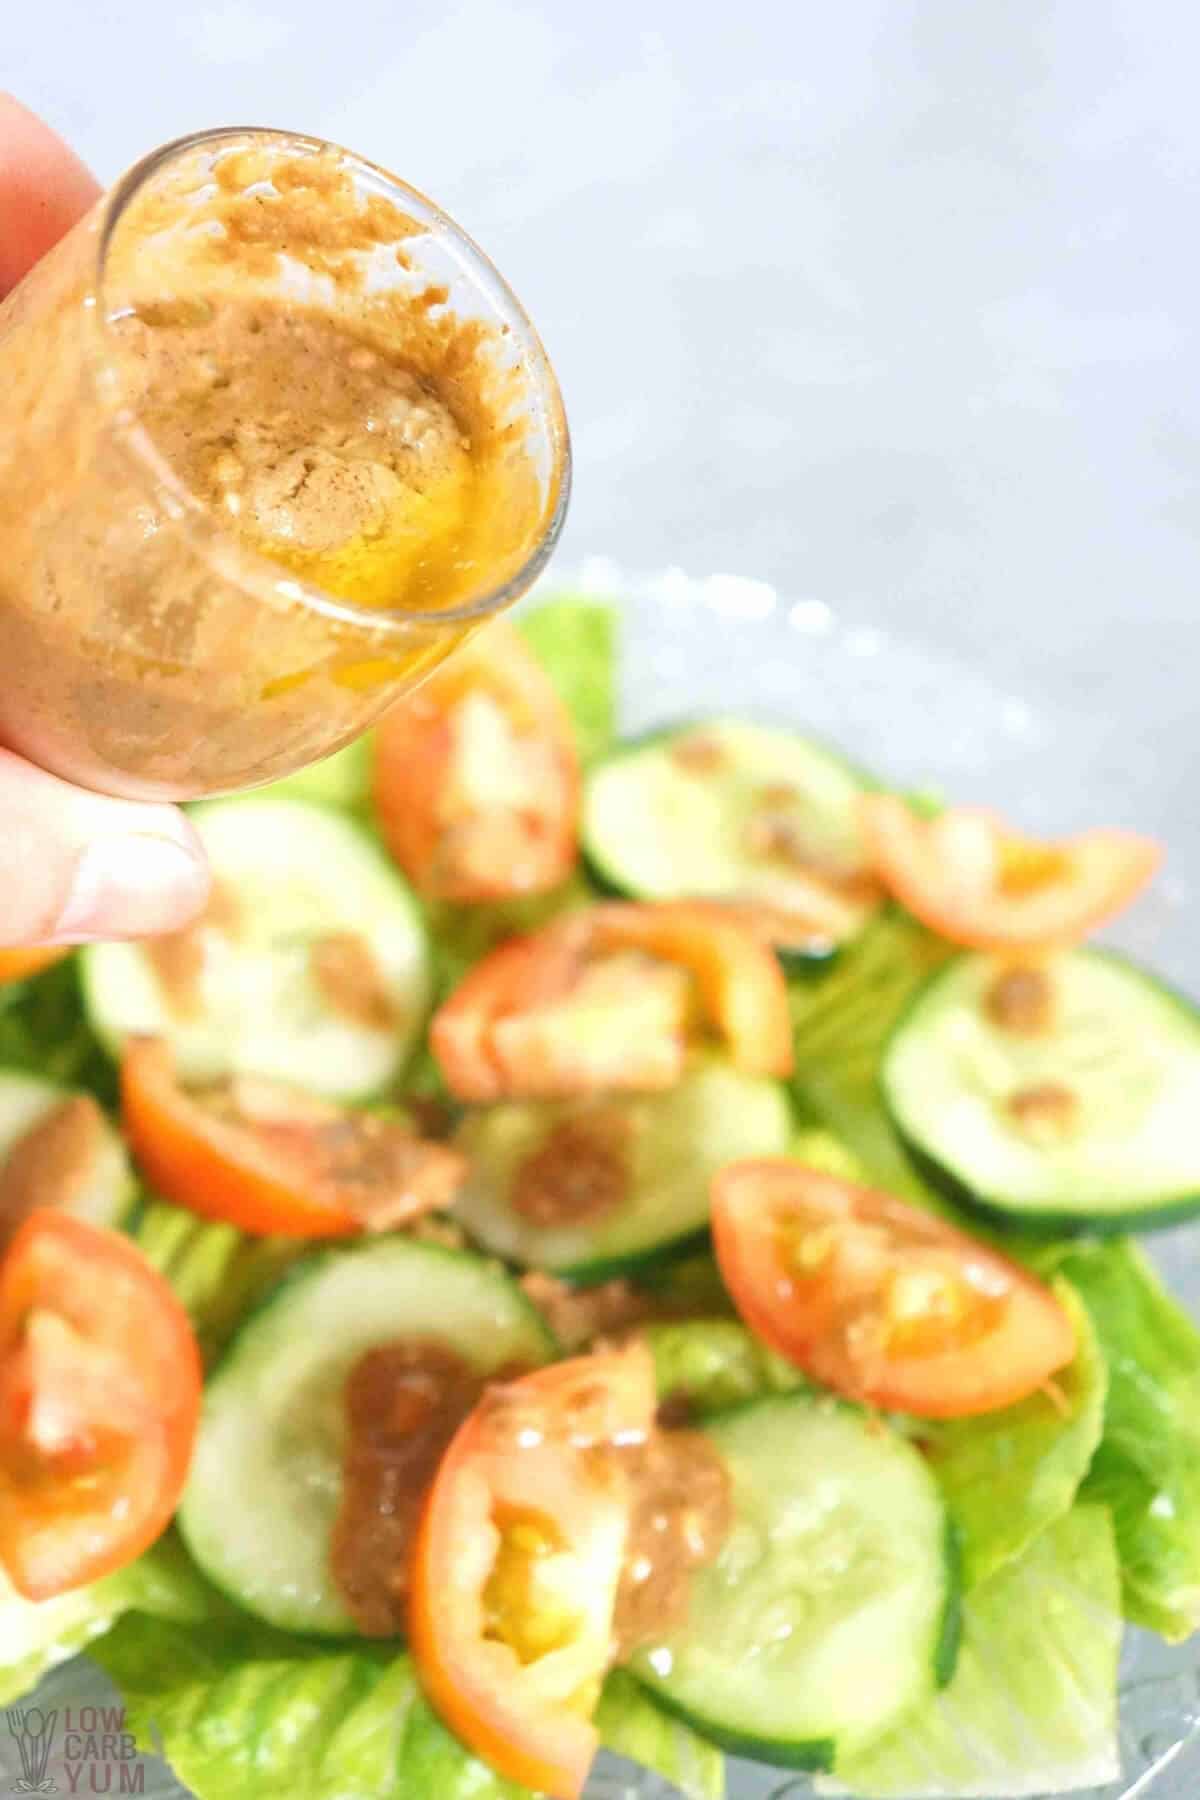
(889, 302)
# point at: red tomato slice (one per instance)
(968, 877)
(518, 1563)
(18, 965)
(270, 1159)
(99, 1403)
(878, 1300)
(607, 998)
(477, 782)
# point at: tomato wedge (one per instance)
(878, 1300)
(609, 997)
(519, 1560)
(477, 784)
(271, 1159)
(19, 965)
(972, 879)
(99, 1403)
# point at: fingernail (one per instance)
(132, 886)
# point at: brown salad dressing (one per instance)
(580, 1173)
(178, 958)
(351, 981)
(579, 1316)
(243, 401)
(358, 436)
(1021, 999)
(341, 963)
(404, 1403)
(377, 1166)
(682, 1515)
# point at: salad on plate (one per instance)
(595, 1244)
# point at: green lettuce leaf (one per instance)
(1032, 1707)
(689, 1285)
(1147, 1468)
(634, 1728)
(575, 641)
(820, 1149)
(217, 1271)
(38, 1635)
(843, 1019)
(714, 1363)
(1008, 1475)
(241, 1711)
(44, 1028)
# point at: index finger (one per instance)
(44, 189)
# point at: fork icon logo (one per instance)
(33, 1732)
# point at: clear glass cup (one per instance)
(152, 647)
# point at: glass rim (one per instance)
(236, 561)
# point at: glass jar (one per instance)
(274, 437)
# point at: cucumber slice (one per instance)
(727, 810)
(87, 1174)
(832, 1607)
(652, 1156)
(266, 1478)
(1083, 1119)
(295, 875)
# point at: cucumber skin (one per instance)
(794, 962)
(112, 1045)
(945, 1658)
(818, 1755)
(637, 1262)
(1048, 1220)
(664, 1253)
(1041, 1221)
(310, 1265)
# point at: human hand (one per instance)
(78, 866)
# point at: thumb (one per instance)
(44, 188)
(81, 867)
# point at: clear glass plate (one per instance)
(924, 719)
